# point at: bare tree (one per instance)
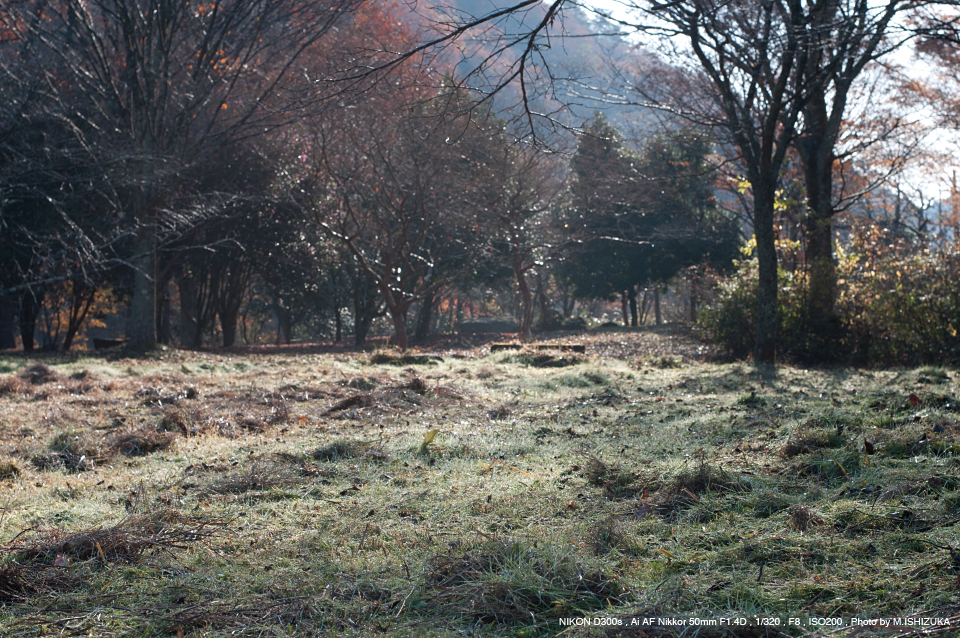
(148, 87)
(401, 194)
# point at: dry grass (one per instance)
(630, 480)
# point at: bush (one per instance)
(897, 303)
(731, 322)
(900, 303)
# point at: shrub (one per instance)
(900, 303)
(897, 303)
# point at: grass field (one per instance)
(458, 492)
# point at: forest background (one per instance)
(776, 175)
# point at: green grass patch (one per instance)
(487, 495)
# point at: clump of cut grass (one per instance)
(499, 413)
(838, 420)
(752, 400)
(386, 358)
(14, 584)
(362, 400)
(141, 443)
(765, 503)
(607, 535)
(616, 482)
(243, 612)
(415, 384)
(540, 360)
(583, 380)
(830, 466)
(931, 374)
(508, 581)
(72, 450)
(361, 383)
(13, 385)
(163, 530)
(688, 486)
(9, 470)
(39, 374)
(346, 449)
(261, 474)
(811, 442)
(668, 363)
(801, 517)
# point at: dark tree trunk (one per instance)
(643, 306)
(694, 290)
(30, 303)
(765, 345)
(816, 154)
(80, 302)
(8, 315)
(338, 318)
(526, 303)
(656, 306)
(424, 317)
(164, 334)
(188, 311)
(228, 323)
(633, 306)
(399, 317)
(624, 309)
(142, 322)
(364, 306)
(284, 323)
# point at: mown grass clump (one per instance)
(540, 360)
(390, 359)
(74, 450)
(617, 482)
(508, 581)
(9, 470)
(349, 449)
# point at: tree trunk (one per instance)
(364, 306)
(80, 302)
(424, 317)
(623, 309)
(765, 344)
(228, 323)
(284, 324)
(399, 316)
(656, 306)
(816, 155)
(633, 306)
(188, 311)
(30, 303)
(7, 323)
(693, 297)
(526, 303)
(338, 319)
(643, 306)
(164, 334)
(142, 323)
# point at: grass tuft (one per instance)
(510, 581)
(39, 374)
